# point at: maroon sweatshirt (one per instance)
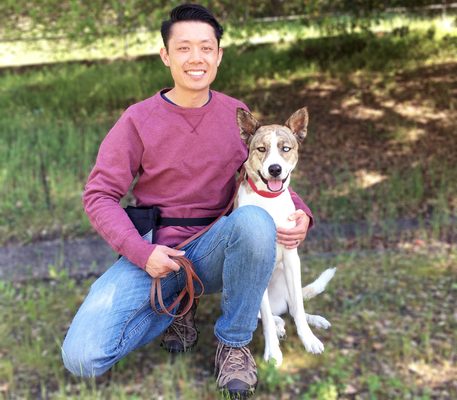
(187, 159)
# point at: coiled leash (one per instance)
(186, 264)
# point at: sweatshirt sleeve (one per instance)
(118, 161)
(300, 205)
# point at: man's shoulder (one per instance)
(228, 101)
(141, 111)
(143, 107)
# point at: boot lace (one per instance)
(237, 364)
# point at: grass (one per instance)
(404, 194)
(381, 147)
(53, 118)
(393, 336)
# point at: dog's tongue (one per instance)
(275, 185)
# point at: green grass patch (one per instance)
(393, 335)
(401, 193)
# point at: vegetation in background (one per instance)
(140, 42)
(357, 87)
(86, 21)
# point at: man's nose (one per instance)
(195, 55)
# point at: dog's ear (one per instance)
(298, 123)
(247, 123)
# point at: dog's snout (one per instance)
(275, 170)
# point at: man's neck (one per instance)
(188, 100)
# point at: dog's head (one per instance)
(273, 149)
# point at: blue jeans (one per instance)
(235, 257)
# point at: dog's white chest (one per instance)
(280, 207)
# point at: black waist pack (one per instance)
(146, 219)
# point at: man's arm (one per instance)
(291, 238)
(117, 164)
(300, 205)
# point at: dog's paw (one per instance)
(318, 321)
(312, 344)
(280, 327)
(273, 355)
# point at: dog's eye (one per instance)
(262, 149)
(285, 149)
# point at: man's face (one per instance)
(193, 55)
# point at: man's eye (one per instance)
(207, 49)
(285, 149)
(183, 48)
(262, 149)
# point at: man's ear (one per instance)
(220, 53)
(298, 123)
(247, 123)
(164, 56)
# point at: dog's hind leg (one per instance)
(296, 307)
(280, 327)
(272, 350)
(318, 321)
(312, 290)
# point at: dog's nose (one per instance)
(275, 170)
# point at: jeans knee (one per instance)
(254, 237)
(82, 362)
(254, 226)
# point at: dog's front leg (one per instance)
(293, 281)
(272, 350)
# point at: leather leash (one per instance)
(186, 264)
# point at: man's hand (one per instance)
(160, 264)
(291, 238)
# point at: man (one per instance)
(184, 143)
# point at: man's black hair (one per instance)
(190, 12)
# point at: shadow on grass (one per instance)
(377, 147)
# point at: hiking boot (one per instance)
(236, 371)
(181, 335)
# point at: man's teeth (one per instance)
(196, 73)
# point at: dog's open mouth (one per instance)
(273, 185)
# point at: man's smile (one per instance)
(196, 72)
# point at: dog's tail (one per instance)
(318, 286)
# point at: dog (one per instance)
(273, 154)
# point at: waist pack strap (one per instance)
(167, 221)
(147, 218)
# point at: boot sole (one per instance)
(237, 395)
(177, 350)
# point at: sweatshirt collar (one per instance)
(170, 106)
(163, 94)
